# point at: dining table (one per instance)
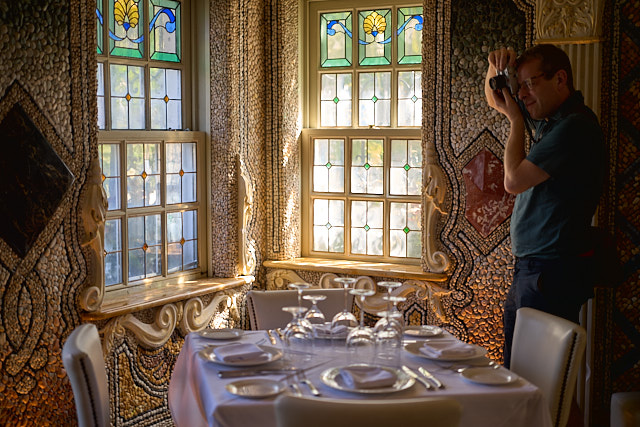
(198, 396)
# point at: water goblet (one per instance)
(299, 286)
(361, 340)
(388, 338)
(298, 336)
(345, 317)
(390, 286)
(394, 309)
(392, 314)
(314, 315)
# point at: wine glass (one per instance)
(394, 309)
(361, 340)
(298, 335)
(299, 286)
(314, 315)
(389, 286)
(345, 317)
(392, 314)
(388, 338)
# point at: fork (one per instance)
(304, 380)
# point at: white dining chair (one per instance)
(297, 411)
(547, 351)
(265, 307)
(84, 363)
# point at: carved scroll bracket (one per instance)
(279, 279)
(196, 316)
(434, 193)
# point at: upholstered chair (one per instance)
(83, 360)
(296, 411)
(547, 350)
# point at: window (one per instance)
(362, 147)
(152, 168)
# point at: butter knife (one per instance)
(416, 377)
(271, 337)
(430, 376)
(254, 372)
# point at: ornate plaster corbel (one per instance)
(326, 281)
(576, 21)
(93, 213)
(278, 279)
(196, 316)
(151, 335)
(245, 213)
(434, 191)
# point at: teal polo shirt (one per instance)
(551, 219)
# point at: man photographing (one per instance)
(558, 182)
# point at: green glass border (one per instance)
(403, 14)
(166, 56)
(99, 28)
(378, 60)
(337, 62)
(123, 51)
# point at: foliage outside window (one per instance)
(363, 144)
(151, 167)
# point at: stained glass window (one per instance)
(405, 173)
(335, 99)
(143, 175)
(109, 155)
(166, 98)
(328, 225)
(374, 99)
(99, 24)
(328, 167)
(126, 28)
(112, 252)
(405, 230)
(182, 236)
(374, 43)
(367, 161)
(164, 30)
(410, 23)
(127, 97)
(181, 173)
(409, 98)
(366, 227)
(101, 108)
(335, 39)
(145, 246)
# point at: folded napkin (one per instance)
(359, 377)
(326, 329)
(241, 352)
(447, 349)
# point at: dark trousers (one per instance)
(556, 286)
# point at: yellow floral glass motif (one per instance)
(374, 24)
(126, 13)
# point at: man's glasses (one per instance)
(528, 83)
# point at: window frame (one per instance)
(311, 72)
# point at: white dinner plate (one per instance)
(208, 354)
(221, 334)
(423, 331)
(489, 376)
(255, 388)
(414, 348)
(333, 379)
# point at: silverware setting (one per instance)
(430, 376)
(271, 337)
(417, 377)
(255, 372)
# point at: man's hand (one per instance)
(502, 100)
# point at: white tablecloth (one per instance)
(197, 397)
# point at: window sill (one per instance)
(121, 302)
(378, 269)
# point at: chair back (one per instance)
(265, 307)
(83, 360)
(296, 411)
(547, 350)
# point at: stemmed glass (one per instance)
(299, 286)
(361, 340)
(314, 315)
(389, 338)
(298, 335)
(345, 317)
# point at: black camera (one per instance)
(505, 78)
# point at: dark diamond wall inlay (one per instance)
(33, 180)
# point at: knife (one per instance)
(271, 337)
(254, 372)
(415, 376)
(430, 376)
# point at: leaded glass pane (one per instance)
(410, 98)
(328, 225)
(366, 227)
(112, 252)
(374, 44)
(143, 175)
(109, 156)
(101, 107)
(405, 230)
(410, 23)
(405, 172)
(335, 39)
(127, 97)
(328, 165)
(166, 98)
(164, 30)
(181, 172)
(182, 240)
(367, 161)
(374, 99)
(144, 243)
(335, 99)
(126, 28)
(99, 27)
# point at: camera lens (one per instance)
(498, 82)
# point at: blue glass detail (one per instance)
(331, 31)
(418, 26)
(99, 16)
(170, 26)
